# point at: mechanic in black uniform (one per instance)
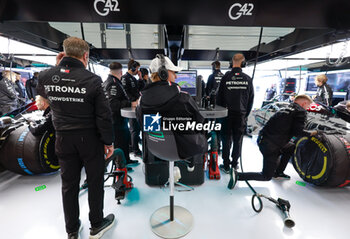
(31, 86)
(236, 93)
(8, 95)
(39, 129)
(118, 99)
(165, 97)
(200, 79)
(274, 141)
(214, 79)
(20, 88)
(270, 92)
(82, 119)
(143, 78)
(131, 86)
(211, 92)
(324, 92)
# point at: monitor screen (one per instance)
(187, 81)
(338, 81)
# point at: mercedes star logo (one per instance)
(55, 79)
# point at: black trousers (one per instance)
(275, 161)
(232, 131)
(74, 151)
(217, 147)
(135, 131)
(122, 136)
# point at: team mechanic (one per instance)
(274, 140)
(131, 86)
(211, 91)
(236, 93)
(118, 99)
(82, 120)
(8, 96)
(46, 125)
(214, 79)
(143, 78)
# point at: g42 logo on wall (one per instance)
(237, 10)
(104, 7)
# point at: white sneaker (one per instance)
(177, 174)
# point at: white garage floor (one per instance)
(218, 212)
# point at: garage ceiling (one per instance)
(144, 41)
(187, 30)
(146, 36)
(232, 38)
(143, 36)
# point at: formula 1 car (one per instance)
(322, 160)
(22, 152)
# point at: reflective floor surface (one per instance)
(319, 213)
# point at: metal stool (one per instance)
(169, 221)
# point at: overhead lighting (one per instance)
(284, 64)
(25, 51)
(15, 47)
(321, 52)
(114, 26)
(50, 60)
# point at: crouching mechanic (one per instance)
(165, 97)
(274, 140)
(82, 119)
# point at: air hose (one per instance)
(282, 204)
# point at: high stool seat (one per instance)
(179, 227)
(169, 221)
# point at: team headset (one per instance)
(213, 65)
(134, 66)
(243, 64)
(162, 71)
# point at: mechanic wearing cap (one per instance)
(236, 93)
(214, 79)
(131, 86)
(274, 141)
(165, 97)
(118, 99)
(82, 119)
